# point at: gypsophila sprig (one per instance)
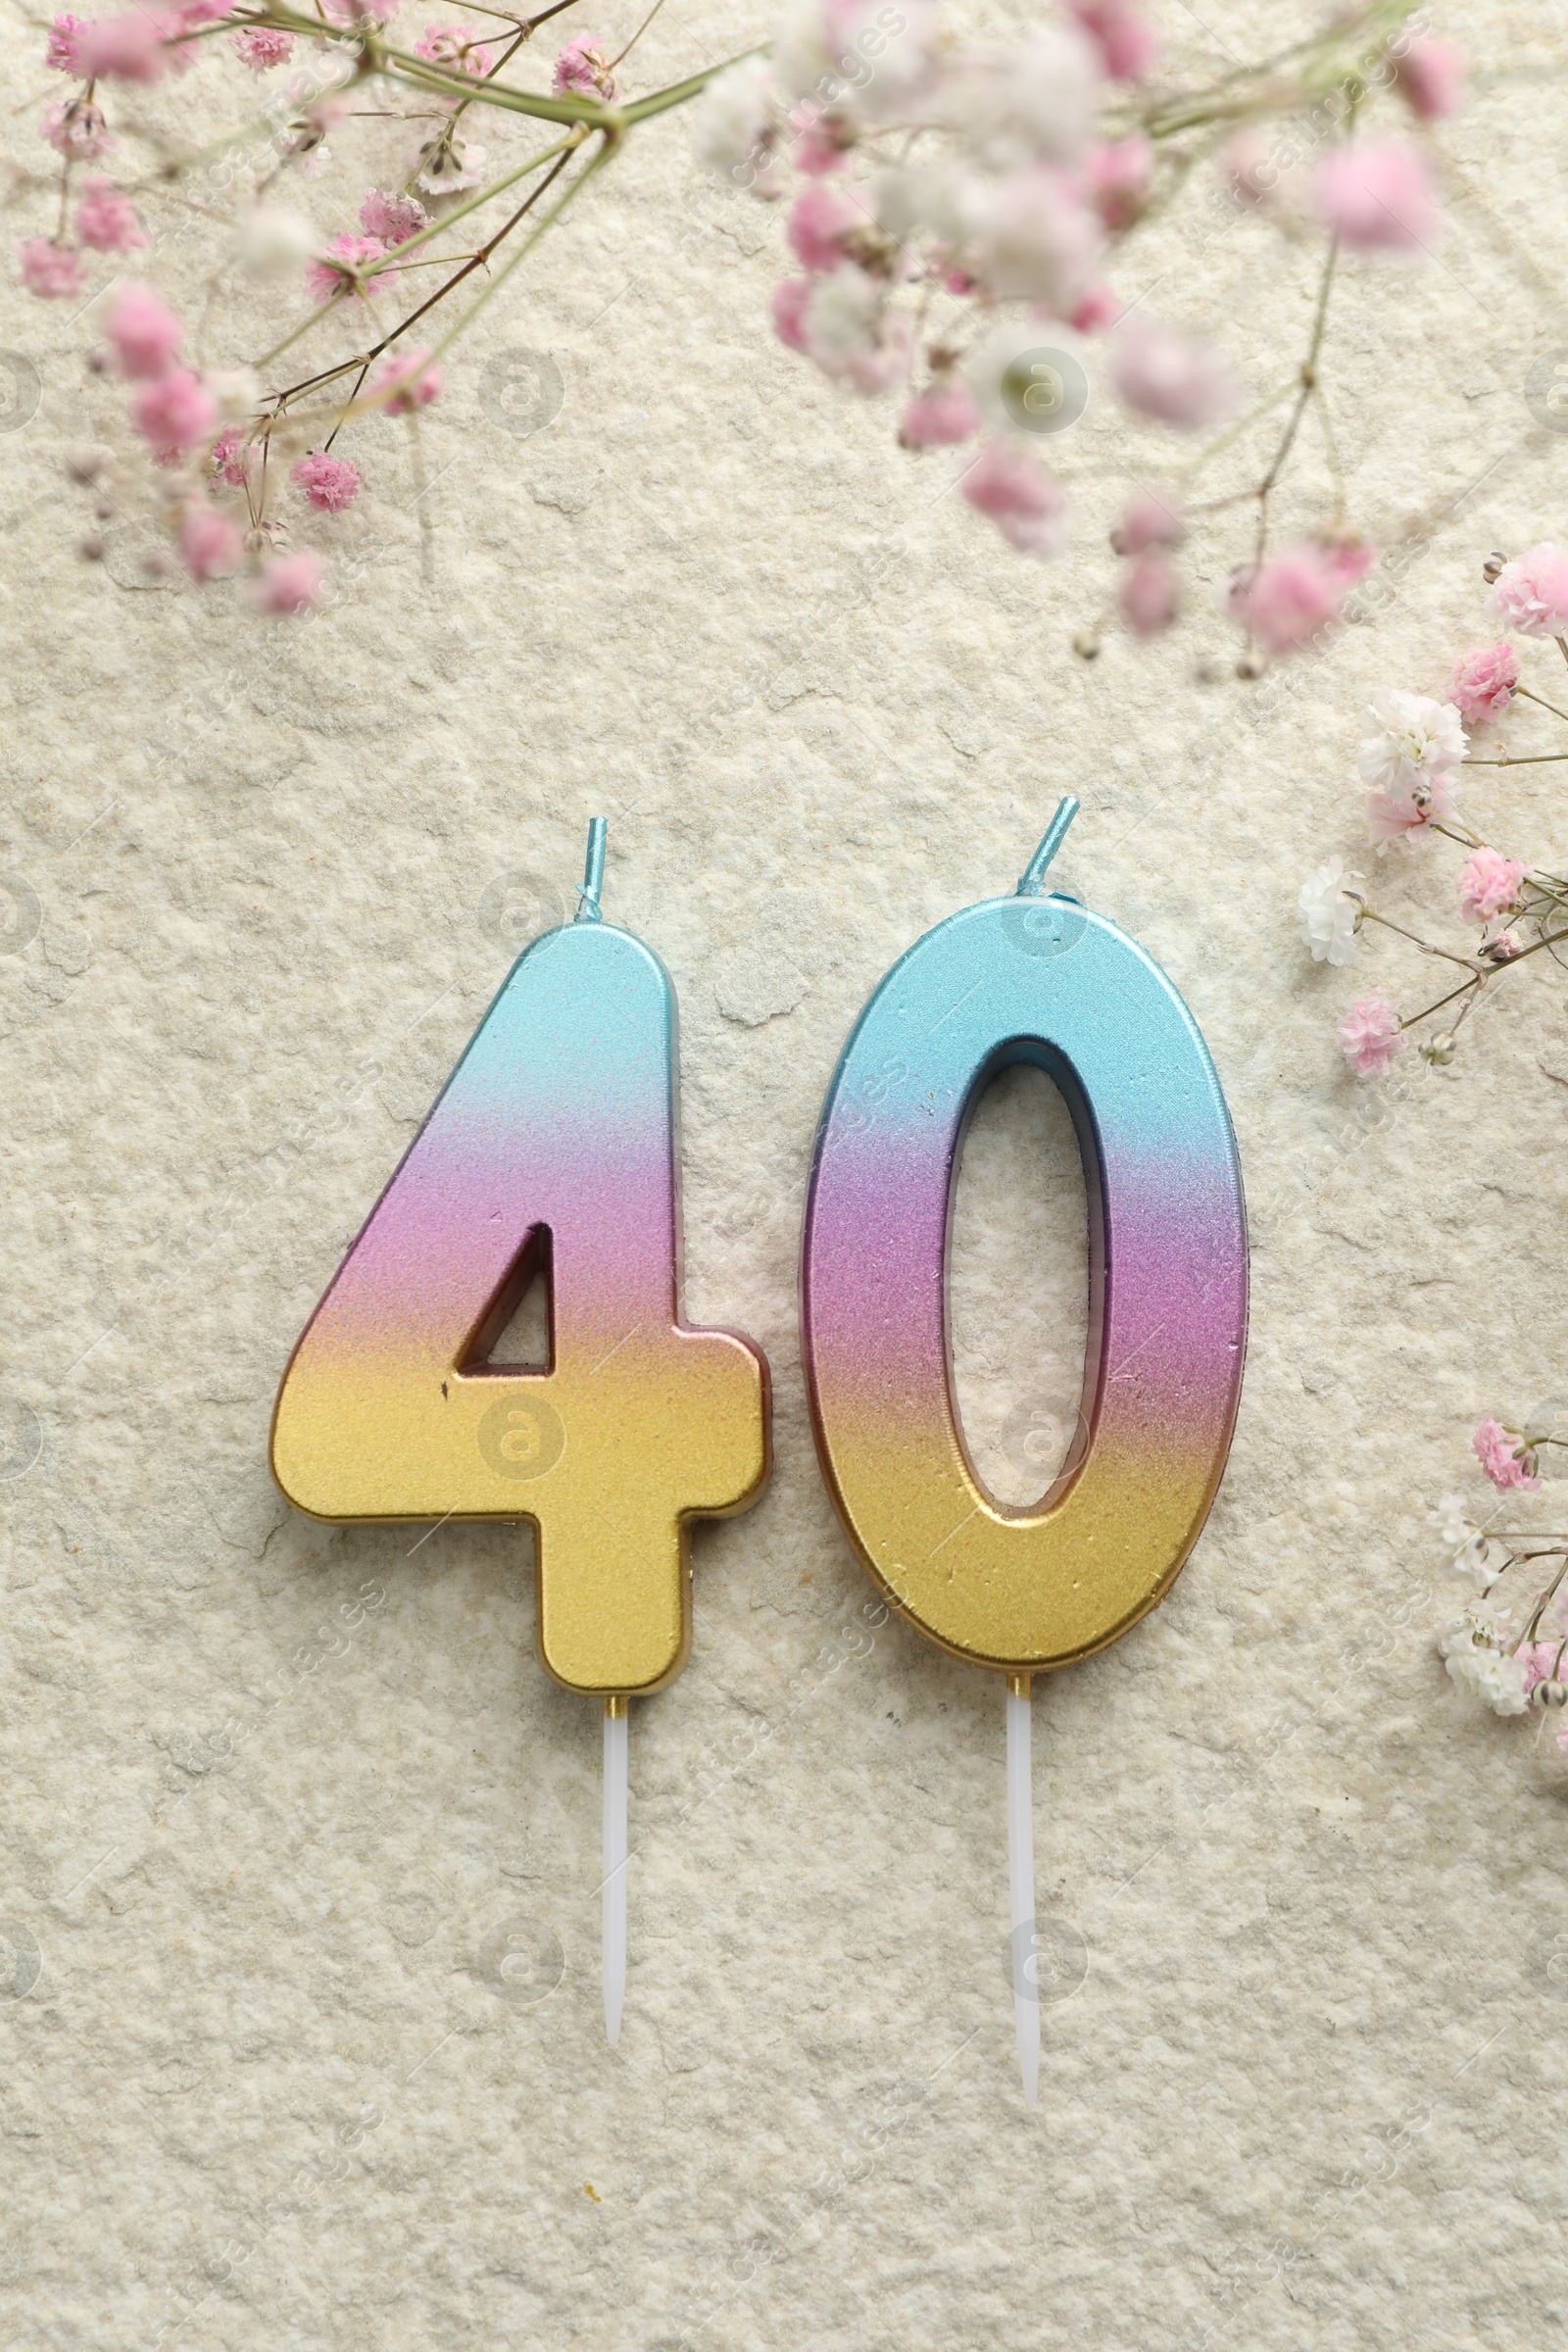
(232, 437)
(1411, 757)
(959, 211)
(1507, 1646)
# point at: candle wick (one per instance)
(1021, 1879)
(593, 879)
(613, 1946)
(1034, 874)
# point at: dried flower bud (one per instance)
(1551, 1694)
(1441, 1051)
(1491, 569)
(102, 511)
(1086, 645)
(91, 549)
(1250, 665)
(84, 466)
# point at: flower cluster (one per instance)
(221, 446)
(1508, 1645)
(1410, 761)
(958, 212)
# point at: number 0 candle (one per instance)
(1037, 979)
(554, 1144)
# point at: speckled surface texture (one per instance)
(273, 2080)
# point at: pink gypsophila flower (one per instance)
(1290, 596)
(1100, 308)
(1127, 42)
(290, 583)
(329, 483)
(817, 225)
(1370, 1034)
(1531, 592)
(412, 379)
(822, 144)
(1119, 175)
(940, 417)
(78, 129)
(62, 50)
(1348, 560)
(210, 543)
(326, 277)
(1165, 375)
(1376, 196)
(1484, 681)
(1148, 594)
(1150, 519)
(106, 220)
(145, 331)
(1541, 1663)
(391, 219)
(231, 458)
(130, 46)
(1430, 77)
(450, 45)
(788, 306)
(1495, 1451)
(1027, 504)
(1489, 885)
(582, 71)
(264, 48)
(174, 412)
(52, 272)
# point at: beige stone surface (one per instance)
(275, 1798)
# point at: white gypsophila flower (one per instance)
(999, 371)
(236, 390)
(447, 166)
(840, 322)
(1029, 102)
(1480, 1626)
(1417, 741)
(734, 115)
(942, 197)
(1036, 242)
(860, 57)
(1453, 1528)
(274, 239)
(1488, 1674)
(1328, 916)
(1465, 1548)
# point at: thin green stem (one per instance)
(1425, 946)
(595, 165)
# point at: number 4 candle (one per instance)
(554, 1144)
(1034, 979)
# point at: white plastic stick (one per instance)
(1021, 1876)
(615, 1930)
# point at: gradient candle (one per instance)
(1037, 979)
(554, 1141)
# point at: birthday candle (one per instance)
(553, 1145)
(1025, 979)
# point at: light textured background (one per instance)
(1310, 2090)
